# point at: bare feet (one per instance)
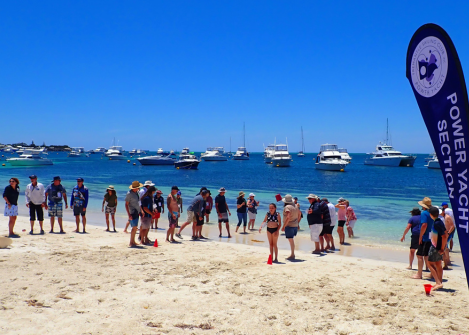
(437, 287)
(416, 276)
(229, 236)
(409, 268)
(428, 276)
(291, 258)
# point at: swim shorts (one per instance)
(110, 210)
(434, 255)
(315, 230)
(134, 222)
(79, 211)
(351, 223)
(224, 218)
(145, 223)
(191, 217)
(341, 223)
(290, 232)
(56, 210)
(414, 241)
(424, 248)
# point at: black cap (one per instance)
(175, 188)
(80, 179)
(204, 192)
(57, 178)
(325, 200)
(33, 176)
(296, 198)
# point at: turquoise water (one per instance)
(381, 196)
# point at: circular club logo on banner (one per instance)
(429, 66)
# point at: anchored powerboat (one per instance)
(281, 157)
(165, 158)
(214, 155)
(241, 154)
(433, 162)
(78, 152)
(187, 162)
(329, 158)
(268, 153)
(386, 155)
(115, 153)
(30, 158)
(99, 150)
(344, 154)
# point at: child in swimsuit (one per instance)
(273, 222)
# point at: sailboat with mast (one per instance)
(301, 153)
(242, 154)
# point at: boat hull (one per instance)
(268, 160)
(186, 165)
(392, 161)
(29, 162)
(157, 161)
(330, 167)
(117, 158)
(433, 165)
(281, 162)
(241, 158)
(214, 158)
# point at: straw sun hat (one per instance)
(135, 185)
(426, 202)
(288, 199)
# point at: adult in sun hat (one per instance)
(56, 193)
(414, 226)
(291, 216)
(426, 225)
(79, 203)
(132, 206)
(35, 200)
(222, 210)
(10, 195)
(110, 206)
(315, 221)
(252, 210)
(241, 211)
(144, 189)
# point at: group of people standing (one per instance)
(50, 198)
(432, 231)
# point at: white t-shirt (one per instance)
(332, 214)
(141, 192)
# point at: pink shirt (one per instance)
(341, 214)
(351, 214)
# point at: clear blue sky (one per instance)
(188, 73)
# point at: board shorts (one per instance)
(342, 223)
(414, 241)
(325, 229)
(351, 223)
(200, 220)
(224, 218)
(208, 211)
(36, 209)
(450, 237)
(191, 217)
(315, 230)
(251, 215)
(157, 215)
(110, 210)
(134, 222)
(13, 211)
(174, 221)
(434, 255)
(290, 232)
(424, 248)
(56, 210)
(79, 210)
(145, 223)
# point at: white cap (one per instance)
(252, 195)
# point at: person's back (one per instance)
(221, 202)
(326, 215)
(196, 205)
(415, 222)
(425, 218)
(332, 214)
(293, 222)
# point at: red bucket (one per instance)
(278, 197)
(428, 288)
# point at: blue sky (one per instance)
(188, 73)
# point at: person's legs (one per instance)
(439, 271)
(113, 217)
(349, 230)
(40, 217)
(240, 220)
(127, 226)
(184, 225)
(83, 218)
(60, 224)
(327, 239)
(207, 218)
(271, 244)
(245, 221)
(107, 221)
(419, 267)
(292, 247)
(11, 225)
(274, 243)
(451, 245)
(77, 221)
(132, 236)
(227, 224)
(219, 228)
(321, 243)
(156, 223)
(411, 258)
(32, 216)
(340, 232)
(52, 222)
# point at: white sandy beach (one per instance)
(94, 284)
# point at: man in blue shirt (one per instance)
(426, 225)
(79, 203)
(56, 193)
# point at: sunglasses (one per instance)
(12, 181)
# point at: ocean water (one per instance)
(381, 196)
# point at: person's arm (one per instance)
(287, 219)
(46, 193)
(26, 196)
(239, 205)
(423, 228)
(65, 198)
(127, 209)
(104, 201)
(181, 206)
(444, 240)
(299, 216)
(168, 202)
(86, 199)
(145, 208)
(6, 200)
(72, 198)
(279, 220)
(409, 225)
(263, 223)
(43, 196)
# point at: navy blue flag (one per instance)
(435, 75)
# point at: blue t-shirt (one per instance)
(147, 202)
(425, 218)
(415, 222)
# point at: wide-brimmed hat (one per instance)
(222, 190)
(148, 183)
(110, 188)
(241, 194)
(252, 195)
(288, 199)
(415, 211)
(426, 202)
(340, 199)
(312, 196)
(159, 192)
(135, 185)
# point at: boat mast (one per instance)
(387, 131)
(244, 134)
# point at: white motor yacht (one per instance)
(216, 154)
(345, 155)
(433, 162)
(9, 148)
(268, 153)
(160, 151)
(386, 155)
(115, 153)
(281, 157)
(99, 150)
(185, 151)
(30, 157)
(78, 152)
(165, 158)
(241, 154)
(329, 158)
(136, 152)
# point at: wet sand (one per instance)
(94, 284)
